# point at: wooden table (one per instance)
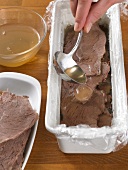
(46, 154)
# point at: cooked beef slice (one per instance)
(90, 51)
(75, 113)
(16, 116)
(92, 81)
(11, 150)
(16, 119)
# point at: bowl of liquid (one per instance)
(22, 32)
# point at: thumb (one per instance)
(97, 10)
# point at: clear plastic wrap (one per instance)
(82, 138)
(124, 9)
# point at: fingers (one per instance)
(97, 11)
(82, 10)
(73, 6)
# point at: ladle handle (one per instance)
(77, 43)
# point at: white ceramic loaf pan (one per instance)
(81, 138)
(24, 85)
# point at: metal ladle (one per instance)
(69, 66)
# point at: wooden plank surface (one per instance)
(46, 154)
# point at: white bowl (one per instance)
(21, 84)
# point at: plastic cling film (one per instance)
(48, 14)
(124, 9)
(105, 139)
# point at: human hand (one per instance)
(86, 12)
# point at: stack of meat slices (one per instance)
(89, 103)
(16, 119)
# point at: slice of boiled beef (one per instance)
(75, 113)
(11, 153)
(16, 116)
(90, 51)
(16, 119)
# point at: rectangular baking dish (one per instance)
(83, 139)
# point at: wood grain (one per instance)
(46, 154)
(10, 3)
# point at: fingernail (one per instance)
(88, 27)
(76, 26)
